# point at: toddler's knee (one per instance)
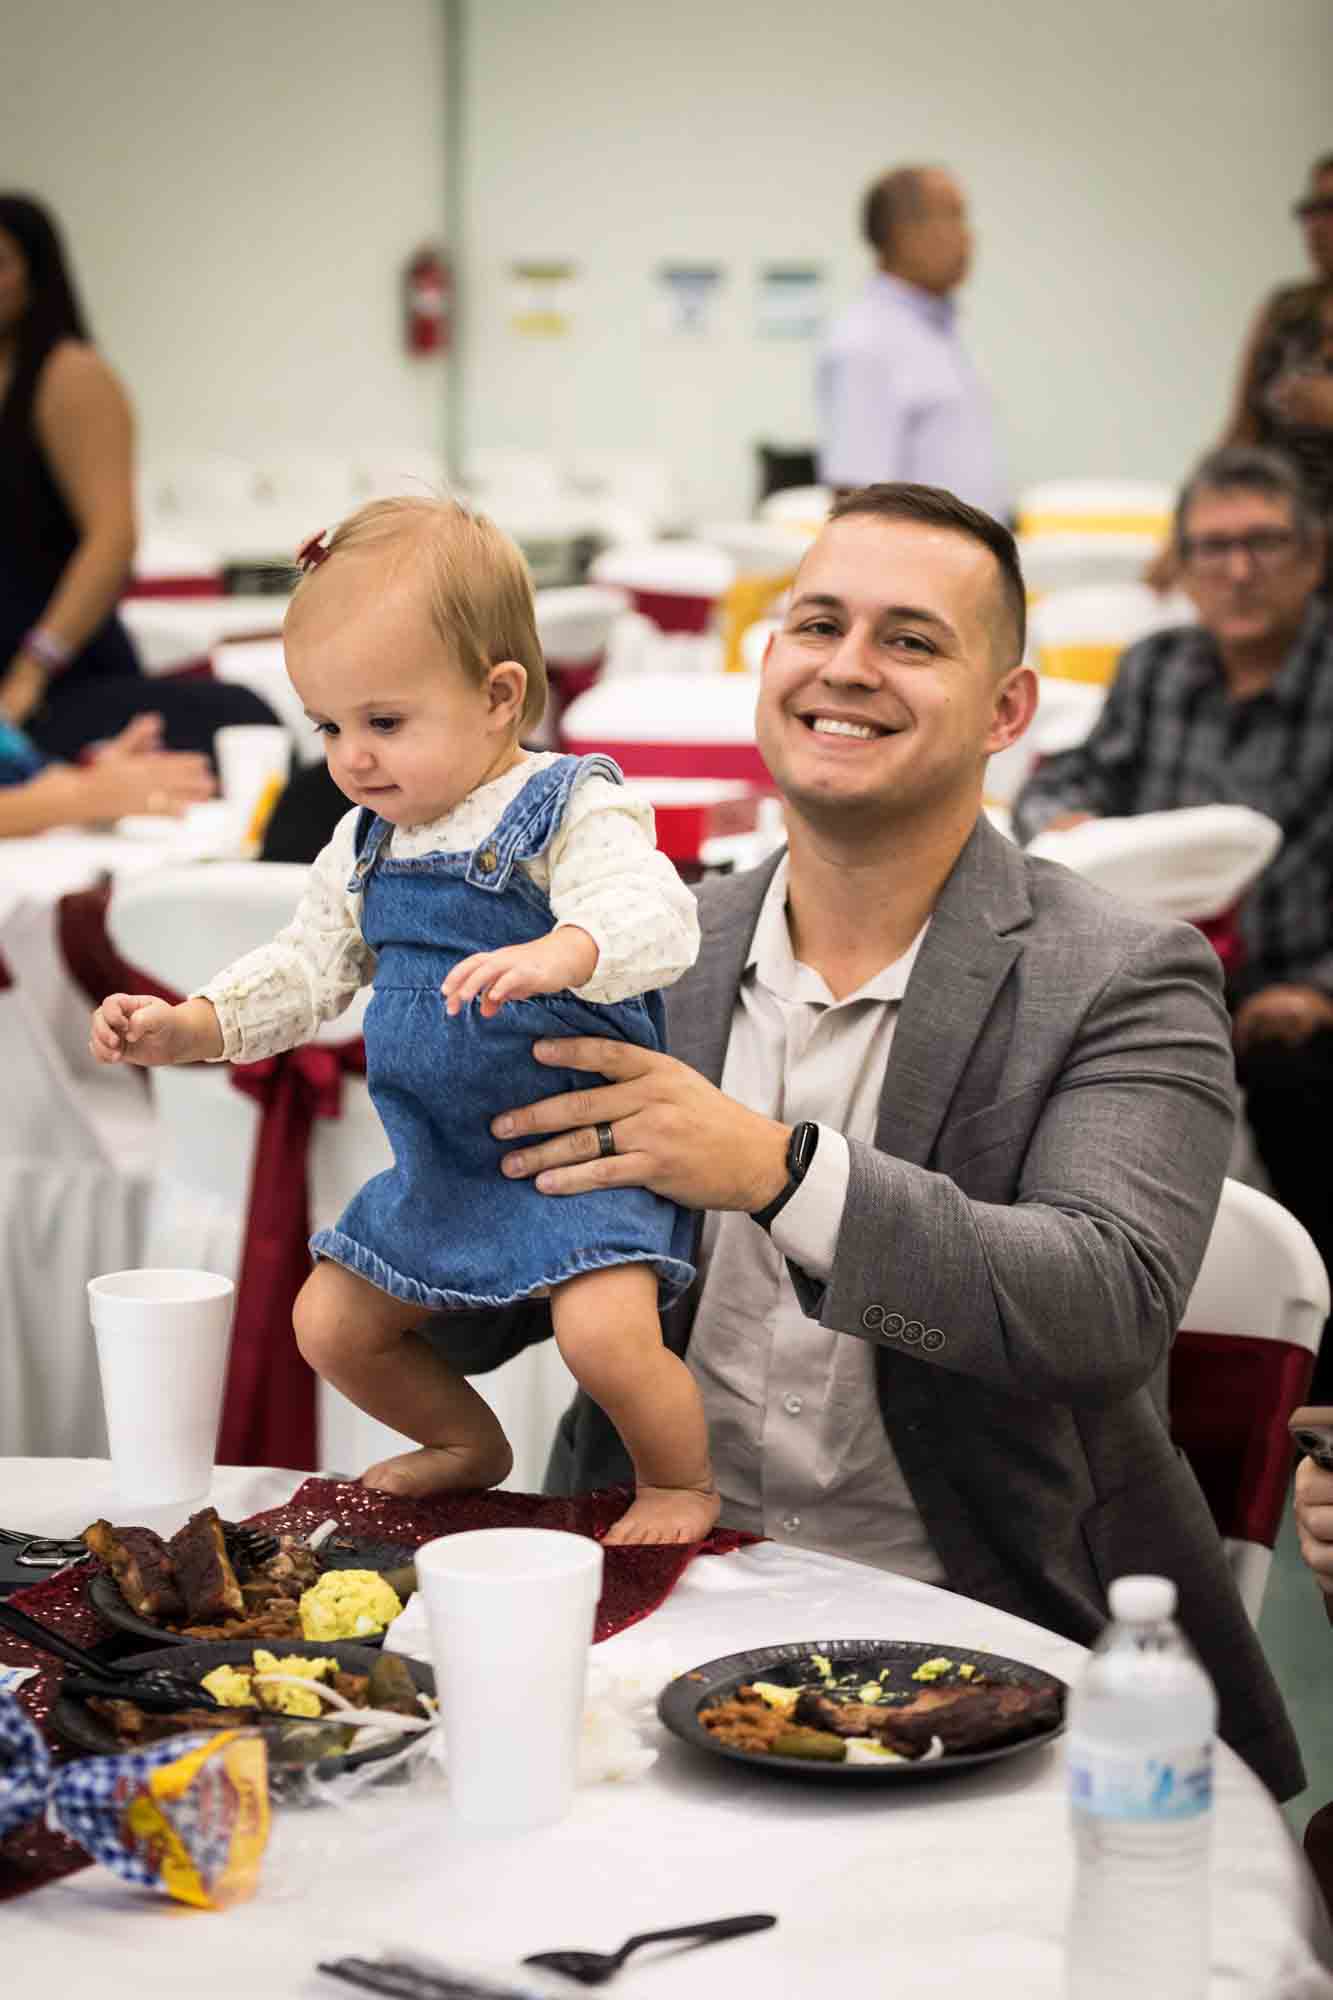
(320, 1331)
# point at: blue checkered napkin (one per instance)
(25, 1767)
(86, 1800)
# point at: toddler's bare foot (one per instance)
(667, 1514)
(438, 1468)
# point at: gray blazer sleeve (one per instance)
(1054, 1256)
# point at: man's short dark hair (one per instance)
(935, 507)
(1250, 468)
(895, 198)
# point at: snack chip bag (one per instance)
(189, 1815)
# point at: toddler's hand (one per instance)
(134, 1027)
(566, 957)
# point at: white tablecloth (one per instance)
(934, 1888)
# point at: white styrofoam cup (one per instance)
(162, 1355)
(511, 1615)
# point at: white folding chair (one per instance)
(676, 584)
(183, 925)
(660, 724)
(802, 509)
(1079, 634)
(1194, 863)
(1240, 1364)
(1096, 506)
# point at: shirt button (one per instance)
(792, 1405)
(790, 1523)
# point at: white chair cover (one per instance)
(803, 509)
(1193, 863)
(575, 623)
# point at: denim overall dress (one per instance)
(442, 1228)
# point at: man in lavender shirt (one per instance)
(898, 397)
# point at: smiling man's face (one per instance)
(890, 681)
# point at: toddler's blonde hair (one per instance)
(478, 586)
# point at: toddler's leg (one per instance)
(607, 1329)
(366, 1343)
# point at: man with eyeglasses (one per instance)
(1239, 709)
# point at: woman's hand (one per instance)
(22, 688)
(1314, 1520)
(137, 1028)
(153, 781)
(673, 1131)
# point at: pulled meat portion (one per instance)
(141, 1564)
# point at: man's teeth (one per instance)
(827, 725)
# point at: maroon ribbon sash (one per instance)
(268, 1411)
(1230, 1397)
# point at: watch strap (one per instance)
(800, 1152)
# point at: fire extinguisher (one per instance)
(427, 302)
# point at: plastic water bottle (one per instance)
(1140, 1761)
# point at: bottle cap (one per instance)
(1142, 1600)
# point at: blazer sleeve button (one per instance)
(932, 1340)
(873, 1318)
(913, 1332)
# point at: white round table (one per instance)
(949, 1887)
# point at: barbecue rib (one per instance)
(140, 1562)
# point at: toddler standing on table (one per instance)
(527, 891)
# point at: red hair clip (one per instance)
(312, 553)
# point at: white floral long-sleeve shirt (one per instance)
(602, 871)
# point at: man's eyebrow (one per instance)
(911, 614)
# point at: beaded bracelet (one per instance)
(53, 652)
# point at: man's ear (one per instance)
(1015, 706)
(507, 689)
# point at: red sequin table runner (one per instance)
(635, 1581)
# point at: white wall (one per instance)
(239, 186)
(1130, 164)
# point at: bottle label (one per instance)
(1174, 1785)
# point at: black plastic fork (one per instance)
(594, 1968)
(112, 1680)
(249, 1548)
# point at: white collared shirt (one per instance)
(799, 1446)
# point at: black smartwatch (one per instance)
(800, 1152)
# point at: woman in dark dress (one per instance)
(1284, 398)
(68, 672)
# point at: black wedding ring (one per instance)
(606, 1142)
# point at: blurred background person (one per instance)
(68, 673)
(898, 396)
(1284, 397)
(1284, 390)
(1239, 709)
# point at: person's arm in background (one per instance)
(83, 421)
(130, 774)
(863, 424)
(1096, 779)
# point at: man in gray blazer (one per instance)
(955, 1123)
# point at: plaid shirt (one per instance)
(1170, 735)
